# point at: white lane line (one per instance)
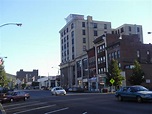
(10, 105)
(25, 106)
(57, 110)
(34, 109)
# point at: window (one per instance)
(72, 26)
(67, 30)
(84, 48)
(95, 25)
(118, 53)
(122, 29)
(72, 41)
(129, 28)
(105, 26)
(95, 33)
(83, 24)
(138, 29)
(148, 52)
(72, 34)
(84, 40)
(64, 39)
(138, 53)
(83, 32)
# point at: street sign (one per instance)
(112, 81)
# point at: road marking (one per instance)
(34, 109)
(25, 106)
(33, 102)
(84, 113)
(57, 110)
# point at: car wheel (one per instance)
(11, 100)
(120, 98)
(139, 99)
(25, 98)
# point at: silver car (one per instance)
(58, 91)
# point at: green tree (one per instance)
(114, 73)
(137, 76)
(3, 79)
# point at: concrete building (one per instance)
(77, 37)
(128, 29)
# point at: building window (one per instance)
(67, 30)
(64, 39)
(148, 52)
(72, 34)
(94, 25)
(138, 53)
(138, 29)
(118, 53)
(83, 24)
(83, 32)
(122, 29)
(84, 48)
(129, 28)
(84, 40)
(105, 26)
(72, 26)
(72, 41)
(95, 33)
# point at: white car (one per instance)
(58, 91)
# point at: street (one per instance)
(42, 102)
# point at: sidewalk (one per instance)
(2, 111)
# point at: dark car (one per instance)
(4, 98)
(18, 95)
(138, 93)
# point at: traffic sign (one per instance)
(112, 81)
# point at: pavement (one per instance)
(2, 111)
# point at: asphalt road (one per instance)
(42, 102)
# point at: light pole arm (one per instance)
(17, 24)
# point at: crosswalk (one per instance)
(32, 107)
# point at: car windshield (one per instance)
(140, 88)
(59, 88)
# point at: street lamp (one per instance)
(17, 24)
(56, 68)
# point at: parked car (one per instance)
(58, 91)
(138, 93)
(76, 89)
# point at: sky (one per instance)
(36, 44)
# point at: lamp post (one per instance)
(17, 24)
(58, 77)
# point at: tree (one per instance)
(137, 76)
(114, 73)
(3, 79)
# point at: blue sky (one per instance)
(36, 44)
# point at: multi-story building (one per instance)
(77, 37)
(27, 76)
(128, 29)
(126, 49)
